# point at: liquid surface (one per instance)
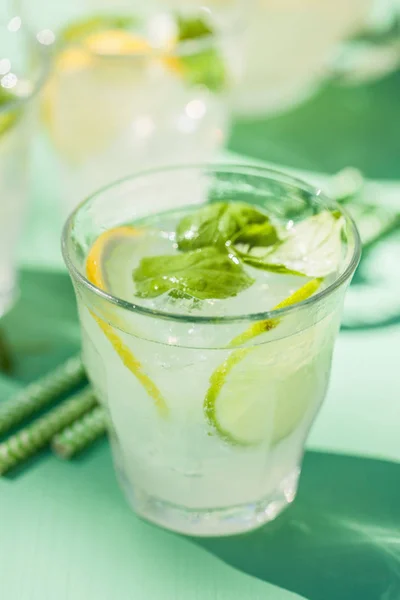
(157, 237)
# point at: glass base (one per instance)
(213, 522)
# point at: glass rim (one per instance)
(183, 48)
(240, 168)
(37, 82)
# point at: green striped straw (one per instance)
(40, 394)
(81, 434)
(29, 440)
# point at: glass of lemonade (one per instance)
(21, 72)
(209, 298)
(134, 86)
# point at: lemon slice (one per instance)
(108, 262)
(247, 402)
(106, 268)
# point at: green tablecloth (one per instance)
(65, 530)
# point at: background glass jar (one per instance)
(22, 71)
(134, 86)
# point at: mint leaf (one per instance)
(312, 248)
(205, 67)
(271, 267)
(257, 234)
(205, 273)
(192, 28)
(245, 214)
(204, 227)
(259, 258)
(222, 222)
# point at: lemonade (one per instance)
(132, 90)
(208, 332)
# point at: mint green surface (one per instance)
(66, 532)
(339, 127)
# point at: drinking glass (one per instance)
(22, 69)
(159, 373)
(134, 85)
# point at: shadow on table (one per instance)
(339, 541)
(41, 330)
(341, 538)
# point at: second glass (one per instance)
(131, 89)
(22, 71)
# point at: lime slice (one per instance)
(313, 247)
(107, 267)
(304, 292)
(247, 400)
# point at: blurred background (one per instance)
(94, 90)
